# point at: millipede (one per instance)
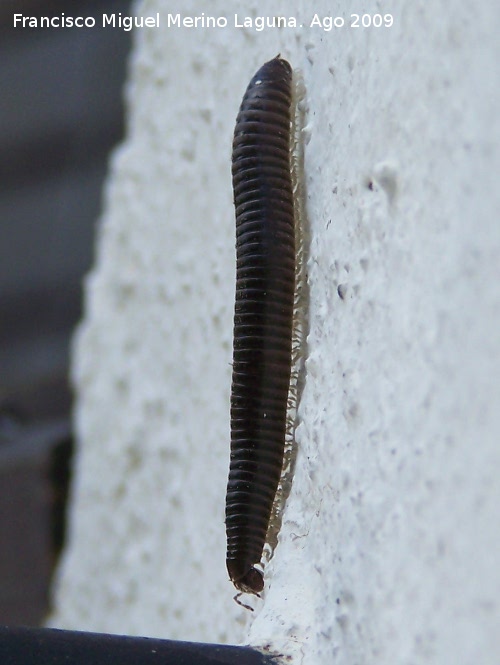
(263, 316)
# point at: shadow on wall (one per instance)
(60, 114)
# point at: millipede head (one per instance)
(252, 581)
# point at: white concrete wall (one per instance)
(389, 551)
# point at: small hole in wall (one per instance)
(342, 291)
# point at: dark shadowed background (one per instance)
(61, 112)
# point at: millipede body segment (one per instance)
(263, 316)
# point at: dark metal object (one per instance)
(265, 284)
(44, 646)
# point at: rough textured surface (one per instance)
(389, 546)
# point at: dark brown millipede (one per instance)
(263, 316)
